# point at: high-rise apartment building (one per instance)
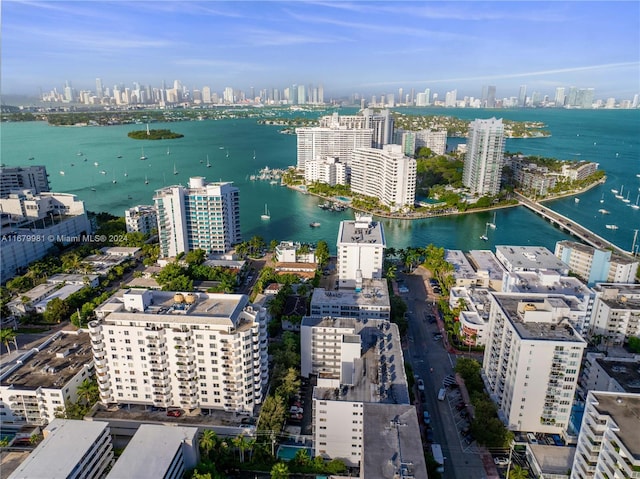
(386, 174)
(329, 171)
(435, 140)
(559, 98)
(203, 216)
(485, 157)
(522, 96)
(32, 178)
(531, 361)
(336, 142)
(185, 350)
(382, 124)
(609, 440)
(360, 247)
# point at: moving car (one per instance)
(420, 385)
(442, 394)
(426, 417)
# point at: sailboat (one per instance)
(492, 225)
(636, 206)
(484, 237)
(602, 199)
(142, 157)
(265, 215)
(146, 180)
(208, 162)
(227, 153)
(168, 151)
(175, 171)
(114, 181)
(125, 173)
(254, 154)
(619, 195)
(627, 200)
(119, 155)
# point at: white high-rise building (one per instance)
(485, 157)
(203, 216)
(435, 140)
(360, 246)
(185, 350)
(559, 99)
(329, 170)
(32, 178)
(531, 361)
(386, 174)
(609, 440)
(319, 143)
(141, 219)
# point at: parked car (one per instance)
(420, 385)
(531, 437)
(426, 417)
(174, 413)
(501, 461)
(442, 394)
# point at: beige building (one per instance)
(616, 312)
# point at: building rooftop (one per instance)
(152, 441)
(553, 459)
(63, 293)
(537, 316)
(65, 443)
(362, 231)
(619, 295)
(165, 306)
(461, 265)
(624, 409)
(391, 443)
(626, 373)
(379, 372)
(547, 281)
(374, 293)
(530, 258)
(51, 364)
(486, 263)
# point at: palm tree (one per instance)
(7, 336)
(208, 441)
(279, 471)
(88, 391)
(517, 473)
(239, 444)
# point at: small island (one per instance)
(154, 135)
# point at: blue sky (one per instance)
(364, 47)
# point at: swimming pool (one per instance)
(287, 452)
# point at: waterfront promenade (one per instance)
(569, 225)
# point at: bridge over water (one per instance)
(569, 225)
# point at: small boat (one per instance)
(31, 158)
(492, 224)
(611, 227)
(208, 162)
(626, 200)
(576, 200)
(619, 195)
(146, 180)
(85, 159)
(602, 199)
(129, 197)
(175, 171)
(93, 189)
(228, 155)
(636, 205)
(119, 156)
(125, 173)
(114, 181)
(273, 182)
(102, 172)
(315, 224)
(143, 157)
(95, 163)
(80, 153)
(603, 211)
(265, 215)
(252, 177)
(168, 151)
(254, 154)
(614, 191)
(484, 237)
(62, 172)
(221, 147)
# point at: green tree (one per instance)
(208, 441)
(87, 392)
(322, 253)
(195, 257)
(57, 311)
(7, 336)
(518, 473)
(280, 470)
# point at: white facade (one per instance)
(529, 258)
(317, 143)
(484, 158)
(185, 350)
(360, 246)
(204, 216)
(33, 178)
(386, 174)
(609, 440)
(475, 304)
(616, 312)
(141, 219)
(435, 140)
(370, 301)
(290, 252)
(329, 171)
(36, 387)
(174, 450)
(71, 450)
(531, 361)
(32, 223)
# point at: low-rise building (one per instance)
(294, 252)
(596, 265)
(371, 301)
(141, 219)
(174, 450)
(530, 258)
(609, 372)
(38, 384)
(70, 449)
(475, 304)
(616, 312)
(609, 440)
(550, 462)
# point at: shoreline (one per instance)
(421, 216)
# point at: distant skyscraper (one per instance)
(302, 95)
(522, 96)
(382, 125)
(203, 216)
(559, 98)
(451, 98)
(491, 97)
(206, 94)
(485, 157)
(99, 90)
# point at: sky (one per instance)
(365, 47)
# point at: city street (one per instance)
(432, 362)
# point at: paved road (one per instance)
(432, 362)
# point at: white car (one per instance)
(500, 461)
(420, 385)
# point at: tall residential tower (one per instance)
(485, 157)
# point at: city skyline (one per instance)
(370, 48)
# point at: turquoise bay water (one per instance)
(609, 137)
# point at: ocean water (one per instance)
(609, 137)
